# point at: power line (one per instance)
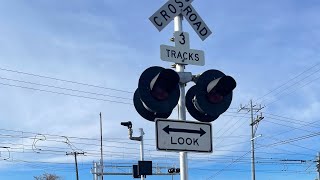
(290, 120)
(292, 140)
(64, 80)
(290, 92)
(286, 125)
(262, 146)
(67, 94)
(62, 88)
(230, 164)
(230, 127)
(287, 82)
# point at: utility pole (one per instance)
(318, 165)
(76, 161)
(254, 126)
(101, 160)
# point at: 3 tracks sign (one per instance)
(181, 52)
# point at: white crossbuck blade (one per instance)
(161, 18)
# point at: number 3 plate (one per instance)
(181, 39)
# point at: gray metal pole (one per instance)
(141, 148)
(181, 106)
(101, 163)
(318, 165)
(95, 176)
(252, 144)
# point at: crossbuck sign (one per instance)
(172, 8)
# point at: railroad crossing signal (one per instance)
(157, 94)
(211, 96)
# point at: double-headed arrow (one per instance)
(167, 129)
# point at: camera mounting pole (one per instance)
(139, 138)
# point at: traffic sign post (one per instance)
(175, 9)
(160, 90)
(177, 135)
(181, 105)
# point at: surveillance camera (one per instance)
(128, 124)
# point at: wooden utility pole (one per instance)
(76, 161)
(254, 125)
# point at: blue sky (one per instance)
(269, 47)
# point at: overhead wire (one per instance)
(64, 80)
(238, 160)
(234, 129)
(288, 81)
(76, 96)
(290, 120)
(292, 91)
(286, 125)
(87, 144)
(62, 88)
(282, 85)
(67, 94)
(263, 146)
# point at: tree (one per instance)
(47, 176)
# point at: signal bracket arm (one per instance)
(133, 138)
(185, 77)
